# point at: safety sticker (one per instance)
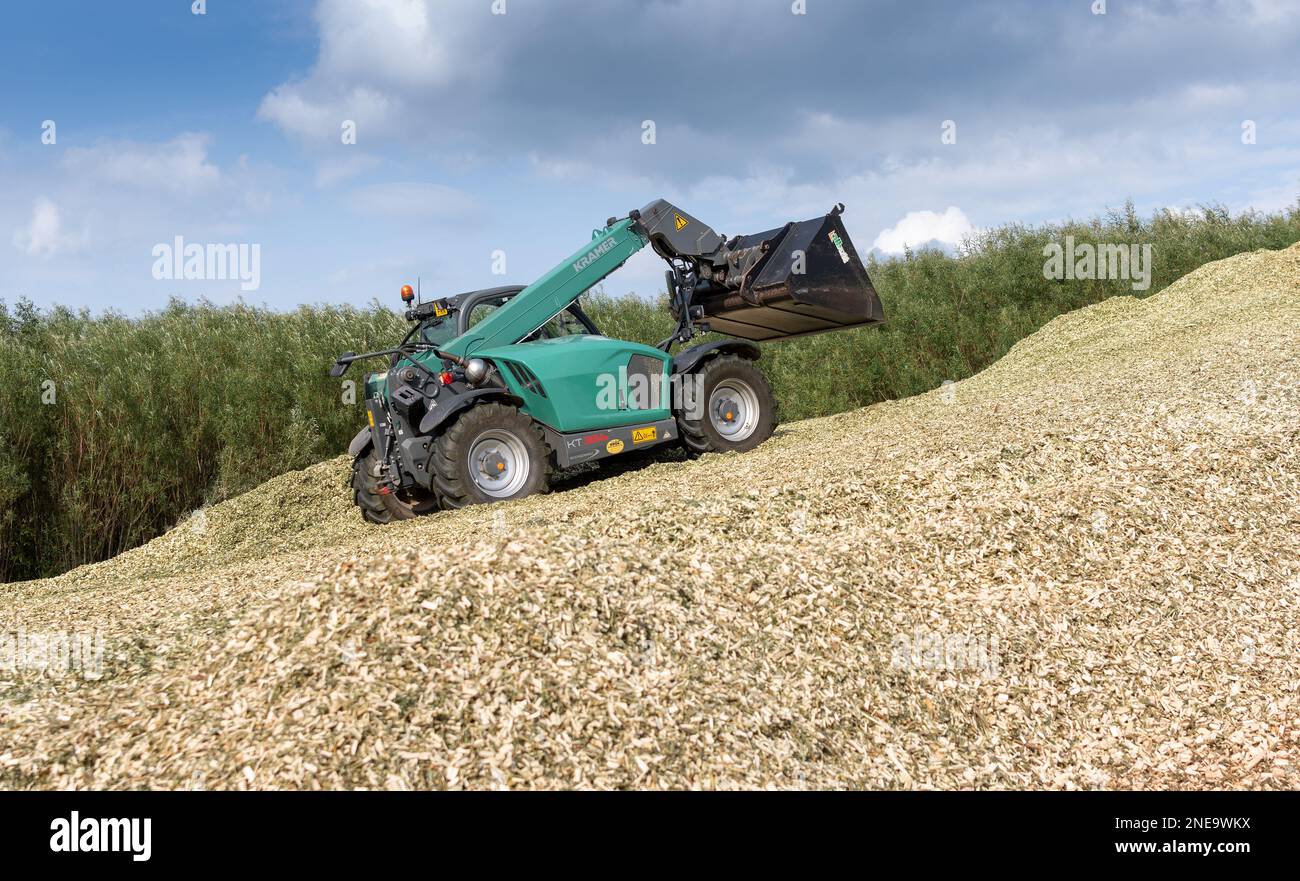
(839, 245)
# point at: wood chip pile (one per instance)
(1079, 568)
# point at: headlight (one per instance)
(476, 370)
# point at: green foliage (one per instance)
(113, 429)
(156, 416)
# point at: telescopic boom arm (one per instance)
(801, 278)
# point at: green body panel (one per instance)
(585, 381)
(572, 370)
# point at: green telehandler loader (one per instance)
(493, 390)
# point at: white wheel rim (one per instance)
(499, 463)
(733, 410)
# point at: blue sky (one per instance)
(479, 132)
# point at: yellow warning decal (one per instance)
(641, 435)
(680, 221)
(440, 309)
(614, 446)
(371, 416)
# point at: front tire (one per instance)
(491, 453)
(734, 408)
(380, 503)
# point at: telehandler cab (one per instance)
(492, 390)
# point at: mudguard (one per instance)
(360, 442)
(686, 360)
(449, 406)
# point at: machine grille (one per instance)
(526, 379)
(645, 375)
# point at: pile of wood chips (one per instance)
(1079, 568)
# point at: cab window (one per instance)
(564, 324)
(483, 309)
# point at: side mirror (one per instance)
(342, 364)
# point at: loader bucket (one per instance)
(767, 297)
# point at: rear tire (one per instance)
(735, 408)
(378, 502)
(490, 453)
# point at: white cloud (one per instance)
(414, 201)
(375, 55)
(43, 236)
(334, 170)
(321, 117)
(1271, 11)
(454, 79)
(484, 102)
(389, 41)
(1209, 95)
(919, 227)
(180, 165)
(88, 220)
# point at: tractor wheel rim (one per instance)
(498, 463)
(733, 410)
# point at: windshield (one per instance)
(438, 332)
